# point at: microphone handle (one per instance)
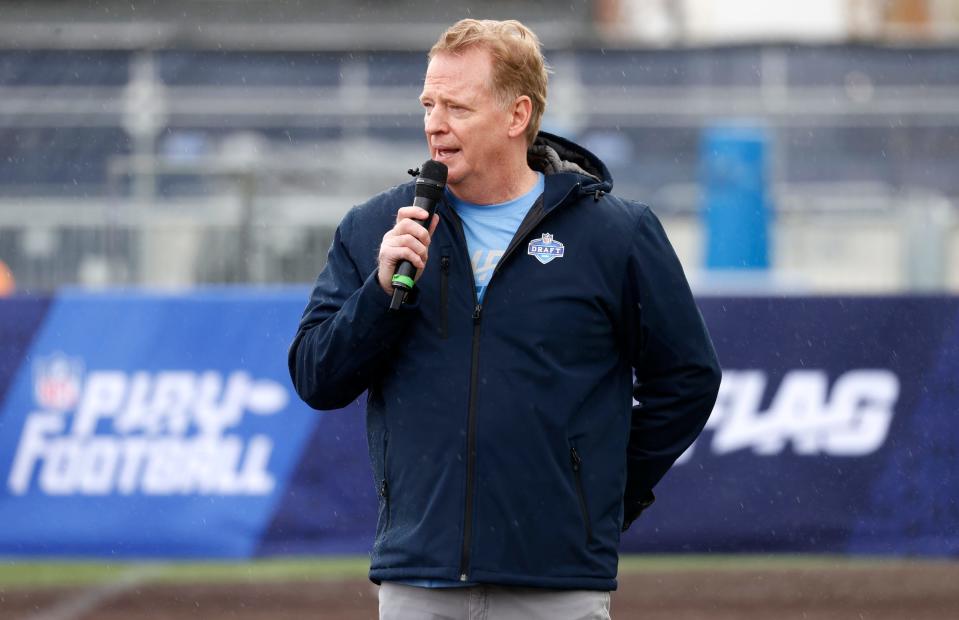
(403, 277)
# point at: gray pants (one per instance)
(403, 602)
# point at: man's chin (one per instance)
(453, 176)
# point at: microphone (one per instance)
(429, 190)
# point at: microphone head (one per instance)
(432, 180)
(434, 170)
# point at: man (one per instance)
(504, 444)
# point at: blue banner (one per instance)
(142, 425)
(147, 425)
(834, 431)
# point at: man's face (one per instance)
(466, 126)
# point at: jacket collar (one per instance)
(570, 169)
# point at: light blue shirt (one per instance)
(490, 228)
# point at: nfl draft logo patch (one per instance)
(545, 248)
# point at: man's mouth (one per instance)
(442, 153)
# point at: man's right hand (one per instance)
(407, 240)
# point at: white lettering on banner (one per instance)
(164, 433)
(851, 419)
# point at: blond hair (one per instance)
(518, 64)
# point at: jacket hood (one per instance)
(551, 154)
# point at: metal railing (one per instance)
(254, 207)
(831, 238)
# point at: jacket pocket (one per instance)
(444, 296)
(577, 464)
(384, 486)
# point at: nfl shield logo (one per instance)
(545, 248)
(56, 381)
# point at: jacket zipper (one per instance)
(577, 463)
(471, 408)
(471, 444)
(525, 227)
(444, 296)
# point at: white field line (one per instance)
(75, 607)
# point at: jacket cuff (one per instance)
(373, 321)
(634, 505)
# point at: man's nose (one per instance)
(435, 122)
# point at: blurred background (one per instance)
(220, 141)
(171, 175)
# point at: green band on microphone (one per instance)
(403, 281)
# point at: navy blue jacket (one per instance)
(503, 437)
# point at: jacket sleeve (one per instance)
(345, 330)
(677, 371)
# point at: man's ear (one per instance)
(521, 111)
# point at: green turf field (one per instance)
(32, 573)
